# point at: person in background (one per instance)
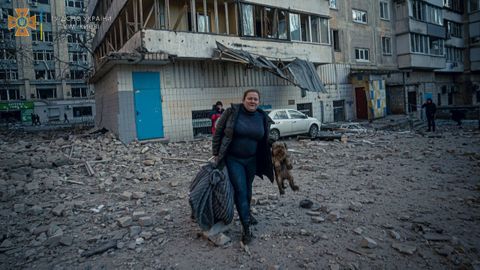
(430, 111)
(217, 111)
(65, 118)
(241, 142)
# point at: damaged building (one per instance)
(159, 69)
(160, 65)
(44, 70)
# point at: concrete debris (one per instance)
(403, 192)
(368, 242)
(404, 248)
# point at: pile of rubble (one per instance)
(376, 200)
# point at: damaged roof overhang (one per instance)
(301, 73)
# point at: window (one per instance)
(46, 2)
(296, 114)
(280, 115)
(82, 111)
(455, 5)
(473, 5)
(7, 54)
(45, 16)
(436, 46)
(43, 55)
(201, 20)
(336, 40)
(295, 26)
(247, 20)
(265, 22)
(419, 43)
(77, 74)
(361, 54)
(9, 94)
(333, 4)
(324, 29)
(79, 91)
(46, 93)
(384, 11)
(424, 12)
(6, 34)
(386, 45)
(46, 37)
(8, 74)
(454, 29)
(74, 3)
(454, 55)
(77, 57)
(359, 16)
(44, 74)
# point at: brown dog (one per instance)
(282, 166)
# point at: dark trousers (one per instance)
(431, 122)
(242, 172)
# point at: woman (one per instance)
(217, 111)
(241, 143)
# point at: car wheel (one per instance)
(313, 132)
(275, 134)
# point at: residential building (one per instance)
(158, 68)
(161, 65)
(44, 71)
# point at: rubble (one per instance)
(379, 189)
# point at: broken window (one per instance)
(79, 92)
(82, 111)
(46, 93)
(282, 24)
(295, 27)
(247, 20)
(203, 23)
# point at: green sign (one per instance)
(15, 106)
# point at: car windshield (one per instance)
(280, 115)
(296, 114)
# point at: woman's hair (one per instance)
(218, 103)
(250, 91)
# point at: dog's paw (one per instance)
(295, 188)
(282, 192)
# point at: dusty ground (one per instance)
(416, 198)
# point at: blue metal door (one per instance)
(148, 105)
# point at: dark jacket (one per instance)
(430, 109)
(224, 135)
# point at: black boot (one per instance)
(253, 220)
(247, 235)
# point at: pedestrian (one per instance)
(430, 111)
(32, 117)
(65, 118)
(241, 142)
(37, 120)
(217, 111)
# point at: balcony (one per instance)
(421, 61)
(202, 45)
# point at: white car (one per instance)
(291, 122)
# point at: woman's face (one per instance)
(251, 101)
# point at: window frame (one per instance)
(363, 55)
(384, 40)
(385, 7)
(363, 14)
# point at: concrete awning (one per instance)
(301, 73)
